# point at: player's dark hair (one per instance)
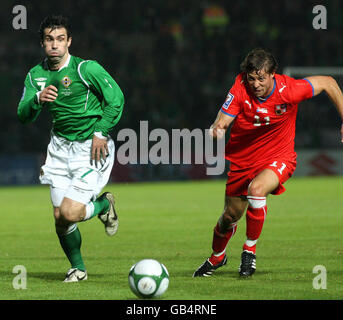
(54, 21)
(257, 60)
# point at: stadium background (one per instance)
(175, 61)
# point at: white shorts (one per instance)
(68, 168)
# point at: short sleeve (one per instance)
(232, 105)
(299, 90)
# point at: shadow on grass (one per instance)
(53, 276)
(220, 273)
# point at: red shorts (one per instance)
(239, 180)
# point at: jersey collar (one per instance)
(46, 65)
(68, 60)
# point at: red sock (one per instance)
(219, 243)
(254, 222)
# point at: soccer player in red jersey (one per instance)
(262, 105)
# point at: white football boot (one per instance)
(75, 275)
(109, 218)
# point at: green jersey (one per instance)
(88, 101)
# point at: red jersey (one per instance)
(263, 129)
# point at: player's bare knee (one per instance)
(65, 215)
(230, 215)
(68, 214)
(256, 189)
(72, 211)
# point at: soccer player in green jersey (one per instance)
(85, 103)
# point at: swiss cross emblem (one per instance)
(280, 109)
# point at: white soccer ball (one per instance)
(148, 278)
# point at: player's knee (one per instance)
(68, 214)
(230, 215)
(256, 189)
(71, 211)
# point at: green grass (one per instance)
(173, 223)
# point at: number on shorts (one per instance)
(275, 165)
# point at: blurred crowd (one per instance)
(174, 60)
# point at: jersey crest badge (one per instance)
(66, 81)
(280, 109)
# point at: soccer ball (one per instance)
(148, 278)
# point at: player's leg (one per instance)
(104, 208)
(79, 202)
(67, 214)
(222, 233)
(88, 180)
(69, 237)
(77, 198)
(226, 226)
(75, 211)
(259, 188)
(55, 172)
(262, 185)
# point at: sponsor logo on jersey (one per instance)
(261, 110)
(283, 87)
(280, 109)
(66, 81)
(248, 103)
(228, 101)
(41, 79)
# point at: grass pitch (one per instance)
(173, 223)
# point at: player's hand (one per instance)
(216, 132)
(49, 94)
(99, 150)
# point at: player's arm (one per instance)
(330, 87)
(227, 113)
(32, 100)
(113, 98)
(113, 103)
(221, 124)
(229, 110)
(29, 107)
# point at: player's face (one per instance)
(56, 44)
(261, 83)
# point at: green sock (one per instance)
(71, 244)
(101, 205)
